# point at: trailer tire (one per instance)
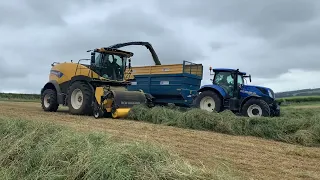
(206, 99)
(49, 100)
(80, 98)
(256, 108)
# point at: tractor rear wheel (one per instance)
(256, 108)
(80, 98)
(209, 101)
(49, 100)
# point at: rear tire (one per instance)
(209, 101)
(49, 100)
(256, 108)
(80, 99)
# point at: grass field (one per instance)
(35, 150)
(223, 156)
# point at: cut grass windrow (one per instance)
(297, 127)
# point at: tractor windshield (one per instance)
(226, 81)
(110, 66)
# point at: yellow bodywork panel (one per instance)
(70, 70)
(121, 113)
(107, 103)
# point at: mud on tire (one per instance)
(211, 97)
(256, 108)
(49, 100)
(79, 99)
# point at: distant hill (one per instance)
(302, 92)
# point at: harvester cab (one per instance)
(228, 91)
(98, 88)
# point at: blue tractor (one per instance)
(228, 91)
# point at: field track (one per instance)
(254, 157)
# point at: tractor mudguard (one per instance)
(54, 84)
(215, 87)
(269, 101)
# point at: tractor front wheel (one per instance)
(256, 108)
(80, 98)
(49, 100)
(209, 101)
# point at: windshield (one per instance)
(225, 78)
(110, 66)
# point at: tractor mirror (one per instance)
(93, 58)
(250, 77)
(129, 65)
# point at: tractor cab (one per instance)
(110, 63)
(230, 80)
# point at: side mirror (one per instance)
(93, 58)
(250, 77)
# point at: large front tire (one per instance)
(209, 101)
(256, 108)
(80, 99)
(49, 100)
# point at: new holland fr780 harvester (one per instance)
(98, 88)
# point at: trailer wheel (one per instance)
(49, 100)
(256, 108)
(209, 101)
(80, 98)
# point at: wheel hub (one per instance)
(254, 111)
(76, 98)
(207, 103)
(46, 101)
(79, 99)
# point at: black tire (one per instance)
(85, 108)
(211, 94)
(264, 107)
(49, 101)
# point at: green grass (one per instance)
(297, 126)
(33, 150)
(299, 99)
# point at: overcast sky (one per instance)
(276, 41)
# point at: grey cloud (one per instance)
(258, 17)
(41, 34)
(288, 29)
(133, 26)
(301, 37)
(64, 43)
(9, 71)
(20, 13)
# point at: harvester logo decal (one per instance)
(129, 103)
(56, 73)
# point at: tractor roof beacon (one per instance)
(229, 92)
